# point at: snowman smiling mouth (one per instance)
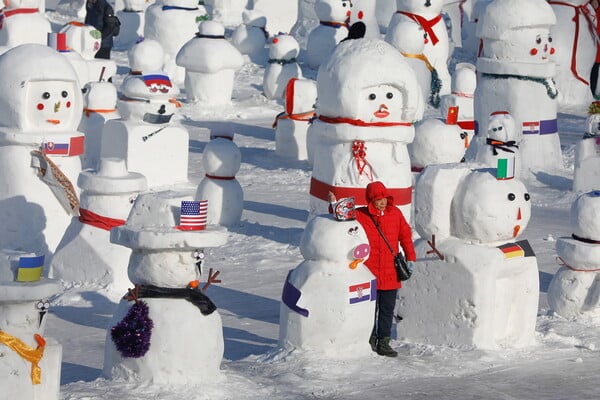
(382, 112)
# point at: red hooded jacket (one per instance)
(395, 228)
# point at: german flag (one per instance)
(517, 249)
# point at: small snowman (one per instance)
(30, 363)
(166, 330)
(40, 147)
(486, 284)
(410, 38)
(438, 142)
(291, 126)
(145, 130)
(364, 11)
(516, 74)
(21, 21)
(428, 14)
(328, 301)
(464, 82)
(251, 36)
(146, 55)
(221, 160)
(283, 65)
(210, 63)
(574, 290)
(587, 154)
(502, 141)
(132, 17)
(85, 255)
(100, 100)
(334, 16)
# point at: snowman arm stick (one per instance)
(431, 244)
(212, 278)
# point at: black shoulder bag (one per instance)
(402, 271)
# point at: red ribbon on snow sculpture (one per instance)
(426, 24)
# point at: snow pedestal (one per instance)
(186, 346)
(575, 288)
(85, 255)
(332, 29)
(328, 301)
(23, 22)
(40, 147)
(210, 62)
(292, 125)
(282, 66)
(23, 308)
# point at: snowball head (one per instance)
(464, 79)
(144, 99)
(436, 142)
(421, 6)
(408, 37)
(283, 47)
(333, 10)
(254, 18)
(147, 55)
(100, 95)
(592, 124)
(501, 126)
(585, 215)
(325, 239)
(356, 65)
(163, 269)
(28, 71)
(502, 16)
(487, 210)
(211, 28)
(221, 157)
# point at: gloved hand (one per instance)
(411, 266)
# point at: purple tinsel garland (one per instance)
(131, 336)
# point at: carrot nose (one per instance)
(519, 214)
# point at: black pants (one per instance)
(104, 52)
(384, 313)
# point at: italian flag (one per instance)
(506, 168)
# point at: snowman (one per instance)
(283, 65)
(145, 130)
(21, 21)
(210, 63)
(428, 15)
(291, 126)
(473, 285)
(502, 141)
(367, 100)
(30, 363)
(39, 147)
(100, 99)
(85, 254)
(332, 29)
(307, 20)
(251, 36)
(146, 55)
(575, 39)
(221, 160)
(438, 142)
(364, 11)
(172, 23)
(587, 154)
(166, 330)
(132, 18)
(328, 301)
(226, 12)
(464, 82)
(574, 290)
(516, 74)
(410, 38)
(384, 10)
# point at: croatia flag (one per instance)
(30, 268)
(366, 291)
(531, 128)
(193, 215)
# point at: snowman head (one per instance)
(146, 55)
(488, 210)
(585, 216)
(333, 10)
(517, 30)
(368, 79)
(83, 39)
(100, 95)
(283, 47)
(464, 79)
(421, 6)
(327, 239)
(501, 127)
(221, 157)
(437, 142)
(38, 90)
(408, 37)
(592, 123)
(147, 98)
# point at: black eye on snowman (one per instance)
(389, 95)
(43, 305)
(372, 96)
(538, 39)
(527, 196)
(45, 95)
(64, 94)
(498, 129)
(511, 197)
(353, 231)
(463, 135)
(132, 199)
(549, 39)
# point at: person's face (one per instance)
(380, 204)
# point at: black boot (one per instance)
(384, 348)
(373, 342)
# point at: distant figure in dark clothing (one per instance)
(97, 13)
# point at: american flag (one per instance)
(193, 215)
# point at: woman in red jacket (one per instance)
(381, 211)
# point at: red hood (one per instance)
(377, 190)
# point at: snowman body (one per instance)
(332, 28)
(282, 66)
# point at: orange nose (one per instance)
(519, 214)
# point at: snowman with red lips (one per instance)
(367, 100)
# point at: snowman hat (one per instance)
(112, 177)
(153, 220)
(502, 16)
(12, 290)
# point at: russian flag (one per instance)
(366, 291)
(157, 79)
